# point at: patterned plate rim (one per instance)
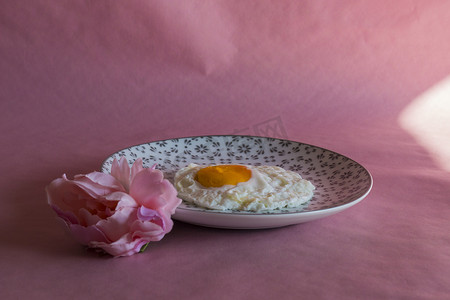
(268, 213)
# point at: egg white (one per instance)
(269, 188)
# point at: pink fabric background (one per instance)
(80, 80)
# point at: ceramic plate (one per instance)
(340, 181)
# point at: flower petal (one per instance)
(121, 171)
(146, 188)
(85, 235)
(136, 168)
(170, 197)
(86, 218)
(119, 223)
(125, 246)
(146, 214)
(98, 184)
(123, 200)
(150, 231)
(66, 196)
(67, 216)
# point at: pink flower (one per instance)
(119, 212)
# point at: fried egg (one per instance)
(242, 187)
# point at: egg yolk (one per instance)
(217, 176)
